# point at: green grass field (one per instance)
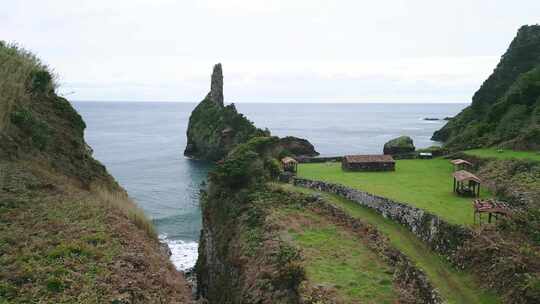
(426, 184)
(337, 259)
(504, 154)
(455, 286)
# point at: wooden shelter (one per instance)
(289, 164)
(466, 183)
(368, 163)
(492, 207)
(460, 164)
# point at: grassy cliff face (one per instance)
(69, 232)
(505, 110)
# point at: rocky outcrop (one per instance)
(297, 147)
(399, 146)
(505, 110)
(216, 86)
(215, 129)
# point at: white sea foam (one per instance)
(184, 254)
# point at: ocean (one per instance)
(142, 145)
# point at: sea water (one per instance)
(142, 145)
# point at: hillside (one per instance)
(263, 244)
(505, 111)
(68, 232)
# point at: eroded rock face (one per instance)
(298, 146)
(400, 145)
(216, 85)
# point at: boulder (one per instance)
(297, 146)
(400, 145)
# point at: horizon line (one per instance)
(277, 102)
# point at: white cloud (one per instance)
(271, 50)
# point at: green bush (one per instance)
(38, 131)
(41, 81)
(248, 163)
(54, 284)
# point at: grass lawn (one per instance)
(337, 259)
(426, 184)
(455, 286)
(504, 154)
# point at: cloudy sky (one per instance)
(271, 51)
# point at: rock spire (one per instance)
(216, 85)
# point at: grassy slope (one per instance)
(426, 184)
(455, 286)
(504, 154)
(60, 244)
(337, 259)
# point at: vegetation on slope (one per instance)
(249, 253)
(426, 184)
(69, 233)
(335, 258)
(505, 111)
(454, 285)
(503, 154)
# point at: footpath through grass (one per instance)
(338, 260)
(426, 184)
(454, 286)
(504, 154)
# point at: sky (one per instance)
(271, 51)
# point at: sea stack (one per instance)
(215, 129)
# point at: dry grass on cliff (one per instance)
(62, 244)
(122, 202)
(16, 67)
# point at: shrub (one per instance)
(39, 131)
(41, 81)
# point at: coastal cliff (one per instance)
(505, 111)
(215, 129)
(69, 232)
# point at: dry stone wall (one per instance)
(441, 236)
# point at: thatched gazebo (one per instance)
(289, 164)
(460, 164)
(466, 183)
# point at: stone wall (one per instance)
(441, 236)
(307, 160)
